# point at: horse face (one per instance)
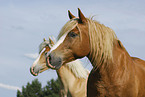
(39, 64)
(72, 45)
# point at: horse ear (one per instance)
(71, 16)
(81, 16)
(51, 41)
(44, 39)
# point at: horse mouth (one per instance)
(33, 72)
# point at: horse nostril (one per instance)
(50, 58)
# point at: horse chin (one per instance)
(58, 66)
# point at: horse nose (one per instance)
(33, 71)
(54, 60)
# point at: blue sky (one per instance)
(24, 24)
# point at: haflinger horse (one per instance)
(73, 76)
(115, 73)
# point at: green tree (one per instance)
(35, 89)
(52, 88)
(31, 90)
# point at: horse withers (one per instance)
(115, 73)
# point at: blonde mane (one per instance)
(101, 41)
(77, 69)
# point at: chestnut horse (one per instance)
(115, 73)
(73, 76)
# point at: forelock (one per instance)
(68, 27)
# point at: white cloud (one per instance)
(10, 87)
(32, 56)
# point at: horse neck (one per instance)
(99, 64)
(66, 76)
(98, 61)
(116, 65)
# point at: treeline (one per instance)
(35, 89)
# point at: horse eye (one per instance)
(72, 34)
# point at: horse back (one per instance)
(140, 75)
(138, 61)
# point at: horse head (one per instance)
(39, 64)
(73, 42)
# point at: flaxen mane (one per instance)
(103, 46)
(77, 69)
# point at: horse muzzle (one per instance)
(53, 61)
(34, 72)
